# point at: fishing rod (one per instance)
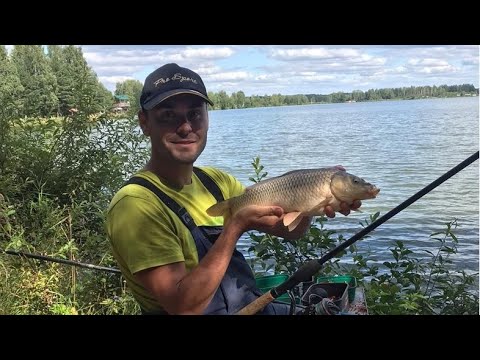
(63, 261)
(309, 269)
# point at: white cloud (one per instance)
(437, 69)
(331, 57)
(208, 53)
(228, 76)
(291, 69)
(427, 62)
(431, 66)
(110, 81)
(313, 53)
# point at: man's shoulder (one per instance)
(131, 194)
(221, 177)
(228, 183)
(214, 172)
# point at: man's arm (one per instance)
(180, 292)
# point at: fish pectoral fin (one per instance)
(295, 223)
(290, 217)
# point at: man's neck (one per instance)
(175, 176)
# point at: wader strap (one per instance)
(206, 180)
(202, 243)
(209, 184)
(167, 200)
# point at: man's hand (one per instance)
(344, 208)
(255, 217)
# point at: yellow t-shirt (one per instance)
(144, 232)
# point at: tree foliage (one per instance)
(55, 82)
(238, 100)
(133, 89)
(38, 80)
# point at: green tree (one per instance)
(86, 93)
(37, 78)
(358, 95)
(57, 64)
(133, 89)
(11, 99)
(223, 100)
(78, 86)
(240, 98)
(214, 98)
(11, 88)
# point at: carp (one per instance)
(300, 193)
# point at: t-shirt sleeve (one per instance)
(141, 234)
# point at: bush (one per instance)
(57, 177)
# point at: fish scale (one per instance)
(292, 191)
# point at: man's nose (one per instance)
(184, 124)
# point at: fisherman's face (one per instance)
(177, 128)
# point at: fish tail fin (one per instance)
(219, 209)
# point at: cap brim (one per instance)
(150, 104)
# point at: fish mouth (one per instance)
(373, 192)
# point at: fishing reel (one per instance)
(316, 301)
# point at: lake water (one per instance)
(401, 146)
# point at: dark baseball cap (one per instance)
(169, 80)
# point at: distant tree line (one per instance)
(238, 100)
(53, 83)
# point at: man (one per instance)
(175, 258)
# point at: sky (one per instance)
(294, 69)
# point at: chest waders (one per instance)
(238, 287)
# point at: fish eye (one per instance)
(356, 181)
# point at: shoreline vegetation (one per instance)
(238, 100)
(63, 154)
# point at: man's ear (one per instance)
(143, 122)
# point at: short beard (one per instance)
(192, 161)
